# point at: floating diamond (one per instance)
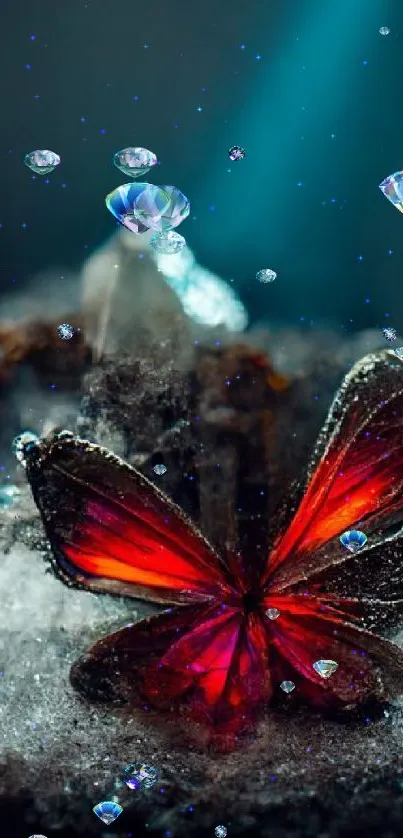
(138, 775)
(287, 686)
(143, 206)
(42, 161)
(107, 811)
(389, 334)
(272, 613)
(392, 188)
(22, 444)
(160, 469)
(399, 352)
(8, 495)
(266, 275)
(220, 831)
(167, 243)
(134, 162)
(384, 30)
(65, 331)
(354, 540)
(325, 668)
(236, 153)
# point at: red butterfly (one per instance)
(216, 655)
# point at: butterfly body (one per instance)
(214, 654)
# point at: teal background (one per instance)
(309, 88)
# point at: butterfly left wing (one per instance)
(111, 530)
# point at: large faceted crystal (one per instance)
(392, 188)
(144, 206)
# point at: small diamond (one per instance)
(399, 352)
(21, 445)
(325, 668)
(42, 161)
(37, 836)
(392, 188)
(287, 686)
(266, 275)
(160, 469)
(384, 30)
(143, 206)
(138, 775)
(236, 153)
(135, 162)
(107, 811)
(65, 331)
(272, 613)
(354, 540)
(389, 334)
(167, 243)
(220, 831)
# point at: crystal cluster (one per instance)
(143, 206)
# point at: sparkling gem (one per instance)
(107, 811)
(392, 188)
(143, 206)
(8, 495)
(384, 30)
(134, 162)
(389, 334)
(160, 469)
(22, 443)
(220, 831)
(325, 668)
(140, 776)
(167, 243)
(287, 686)
(272, 613)
(42, 161)
(266, 275)
(65, 331)
(354, 540)
(399, 352)
(236, 152)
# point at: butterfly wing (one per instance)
(355, 482)
(111, 530)
(329, 598)
(203, 661)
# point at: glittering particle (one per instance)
(399, 352)
(140, 776)
(143, 206)
(389, 334)
(353, 540)
(160, 469)
(135, 161)
(167, 243)
(65, 331)
(236, 152)
(220, 831)
(42, 161)
(272, 613)
(107, 811)
(287, 686)
(384, 30)
(22, 444)
(9, 494)
(392, 188)
(266, 275)
(325, 668)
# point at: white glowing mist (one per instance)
(205, 297)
